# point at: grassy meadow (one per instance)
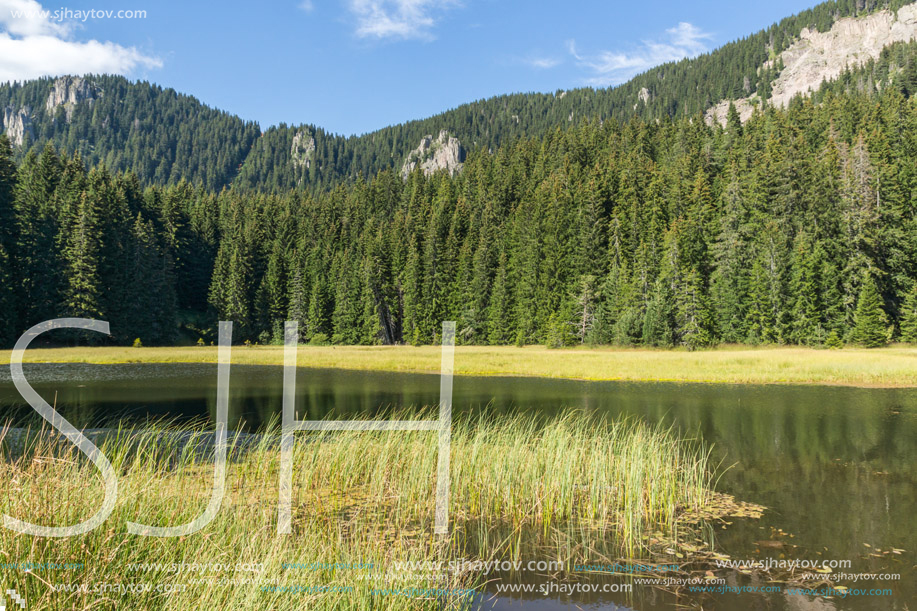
(568, 490)
(883, 367)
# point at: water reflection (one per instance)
(836, 466)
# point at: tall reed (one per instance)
(522, 488)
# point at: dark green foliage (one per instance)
(660, 234)
(158, 134)
(9, 278)
(88, 245)
(626, 231)
(909, 317)
(870, 322)
(163, 137)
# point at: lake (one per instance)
(836, 467)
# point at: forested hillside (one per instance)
(164, 137)
(158, 134)
(798, 227)
(676, 89)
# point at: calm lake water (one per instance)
(836, 467)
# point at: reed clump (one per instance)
(363, 506)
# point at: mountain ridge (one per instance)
(220, 150)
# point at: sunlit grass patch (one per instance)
(560, 489)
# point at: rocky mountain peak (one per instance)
(443, 153)
(823, 56)
(68, 91)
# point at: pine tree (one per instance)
(39, 244)
(8, 310)
(870, 322)
(499, 312)
(319, 320)
(83, 293)
(586, 300)
(694, 316)
(909, 316)
(657, 321)
(805, 326)
(9, 314)
(151, 309)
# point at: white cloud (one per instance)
(34, 43)
(307, 5)
(542, 63)
(615, 67)
(402, 19)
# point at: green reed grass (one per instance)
(521, 488)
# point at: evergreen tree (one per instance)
(909, 316)
(9, 309)
(806, 315)
(83, 293)
(870, 322)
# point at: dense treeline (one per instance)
(798, 227)
(164, 137)
(94, 245)
(159, 135)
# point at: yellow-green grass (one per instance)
(580, 489)
(885, 367)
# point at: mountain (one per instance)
(163, 136)
(818, 57)
(159, 134)
(744, 69)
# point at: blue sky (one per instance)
(352, 66)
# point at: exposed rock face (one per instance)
(818, 57)
(744, 106)
(17, 124)
(303, 149)
(444, 153)
(644, 95)
(68, 91)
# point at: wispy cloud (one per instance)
(542, 63)
(34, 42)
(306, 5)
(615, 67)
(400, 19)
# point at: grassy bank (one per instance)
(568, 490)
(886, 367)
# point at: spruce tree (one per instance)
(83, 293)
(870, 322)
(909, 316)
(9, 315)
(8, 311)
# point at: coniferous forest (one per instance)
(164, 137)
(798, 227)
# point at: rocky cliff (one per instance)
(303, 149)
(443, 153)
(68, 91)
(822, 56)
(17, 124)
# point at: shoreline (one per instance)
(891, 367)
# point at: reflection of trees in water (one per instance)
(837, 466)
